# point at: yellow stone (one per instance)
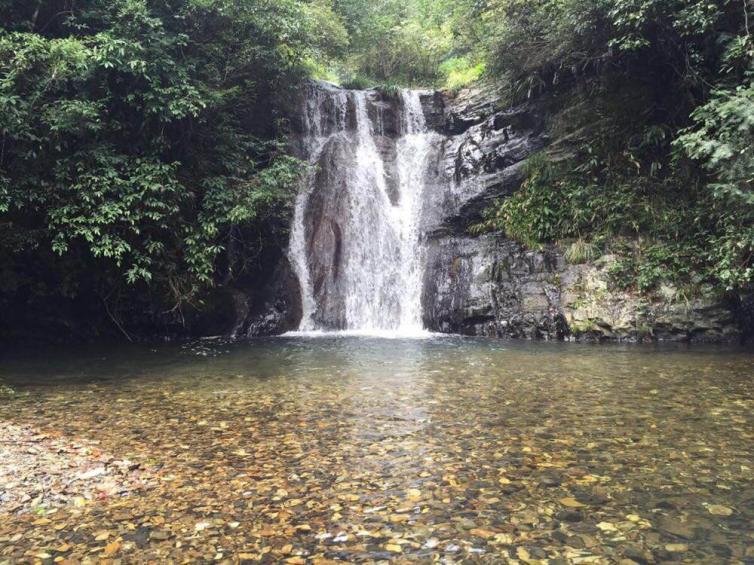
(397, 518)
(481, 533)
(718, 510)
(571, 503)
(394, 548)
(677, 547)
(413, 494)
(42, 522)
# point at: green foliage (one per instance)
(682, 233)
(645, 265)
(357, 83)
(139, 151)
(661, 155)
(544, 43)
(721, 141)
(459, 72)
(406, 42)
(533, 214)
(121, 208)
(580, 251)
(558, 201)
(389, 89)
(135, 139)
(543, 36)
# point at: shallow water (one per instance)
(364, 449)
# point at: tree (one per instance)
(138, 139)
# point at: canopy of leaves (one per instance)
(137, 138)
(407, 42)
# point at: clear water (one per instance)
(363, 449)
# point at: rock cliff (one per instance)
(492, 286)
(488, 285)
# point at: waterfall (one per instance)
(356, 243)
(412, 155)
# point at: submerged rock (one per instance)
(676, 528)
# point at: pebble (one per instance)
(676, 527)
(637, 554)
(569, 516)
(296, 473)
(550, 481)
(160, 535)
(677, 547)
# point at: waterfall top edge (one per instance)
(327, 85)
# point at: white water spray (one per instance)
(365, 242)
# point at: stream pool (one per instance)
(312, 450)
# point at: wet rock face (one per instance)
(275, 309)
(480, 157)
(329, 205)
(434, 111)
(595, 310)
(484, 285)
(743, 308)
(494, 287)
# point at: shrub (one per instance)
(357, 83)
(460, 72)
(581, 251)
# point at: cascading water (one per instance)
(356, 244)
(412, 154)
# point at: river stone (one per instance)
(160, 535)
(550, 481)
(719, 510)
(576, 542)
(723, 550)
(677, 528)
(569, 516)
(665, 505)
(677, 547)
(637, 554)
